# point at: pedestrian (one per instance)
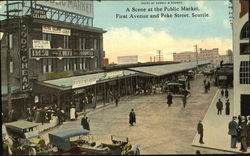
(85, 122)
(248, 132)
(227, 107)
(226, 93)
(219, 106)
(206, 88)
(204, 82)
(169, 99)
(208, 85)
(117, 98)
(198, 152)
(200, 131)
(132, 117)
(222, 92)
(243, 134)
(184, 101)
(233, 131)
(188, 85)
(93, 101)
(72, 111)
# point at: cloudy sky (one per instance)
(144, 36)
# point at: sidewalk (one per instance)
(216, 127)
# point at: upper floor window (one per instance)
(244, 34)
(47, 65)
(47, 37)
(244, 48)
(66, 42)
(82, 43)
(95, 44)
(82, 63)
(245, 72)
(66, 64)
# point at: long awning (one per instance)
(85, 80)
(161, 70)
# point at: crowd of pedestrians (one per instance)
(219, 104)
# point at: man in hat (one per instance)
(132, 117)
(200, 131)
(219, 106)
(233, 131)
(243, 134)
(227, 107)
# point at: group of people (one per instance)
(240, 132)
(219, 104)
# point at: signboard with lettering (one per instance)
(84, 82)
(40, 14)
(41, 44)
(56, 30)
(81, 7)
(113, 74)
(38, 53)
(24, 55)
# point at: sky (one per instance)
(144, 36)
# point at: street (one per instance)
(159, 129)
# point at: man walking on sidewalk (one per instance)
(200, 131)
(219, 106)
(222, 93)
(184, 101)
(232, 130)
(169, 99)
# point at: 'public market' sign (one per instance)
(82, 7)
(24, 56)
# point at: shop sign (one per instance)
(82, 7)
(222, 77)
(41, 44)
(56, 30)
(113, 74)
(79, 91)
(24, 55)
(34, 53)
(20, 96)
(84, 82)
(40, 14)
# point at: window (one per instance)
(82, 43)
(74, 61)
(47, 37)
(244, 48)
(82, 64)
(95, 44)
(66, 64)
(66, 42)
(244, 34)
(245, 72)
(11, 41)
(47, 65)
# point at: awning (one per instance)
(85, 80)
(21, 124)
(161, 70)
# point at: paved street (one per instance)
(159, 129)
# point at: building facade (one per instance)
(241, 57)
(211, 55)
(41, 49)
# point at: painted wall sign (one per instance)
(82, 7)
(34, 53)
(40, 14)
(84, 82)
(24, 56)
(56, 30)
(41, 44)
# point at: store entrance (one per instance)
(245, 104)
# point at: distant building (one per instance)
(105, 61)
(241, 57)
(185, 56)
(211, 55)
(127, 59)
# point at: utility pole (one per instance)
(159, 55)
(8, 59)
(196, 54)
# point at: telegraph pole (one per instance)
(196, 54)
(159, 55)
(8, 59)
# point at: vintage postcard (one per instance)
(123, 77)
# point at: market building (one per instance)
(47, 40)
(241, 57)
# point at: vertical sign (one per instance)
(24, 55)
